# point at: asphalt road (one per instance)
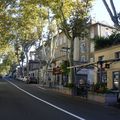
(20, 101)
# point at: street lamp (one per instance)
(100, 69)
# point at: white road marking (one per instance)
(41, 88)
(54, 106)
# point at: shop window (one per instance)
(83, 48)
(100, 58)
(116, 79)
(102, 76)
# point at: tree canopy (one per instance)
(114, 15)
(22, 21)
(104, 42)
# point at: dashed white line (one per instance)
(54, 106)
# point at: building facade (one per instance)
(62, 46)
(33, 69)
(87, 49)
(56, 51)
(111, 72)
(43, 55)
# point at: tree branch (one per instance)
(114, 10)
(108, 9)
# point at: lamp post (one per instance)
(100, 70)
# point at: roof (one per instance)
(103, 24)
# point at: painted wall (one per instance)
(109, 53)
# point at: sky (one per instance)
(99, 12)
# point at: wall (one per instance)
(109, 53)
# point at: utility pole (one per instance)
(101, 70)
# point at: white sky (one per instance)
(99, 12)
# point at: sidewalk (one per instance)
(59, 89)
(67, 91)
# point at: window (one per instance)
(107, 32)
(100, 58)
(117, 55)
(102, 76)
(92, 33)
(82, 48)
(91, 59)
(92, 48)
(116, 77)
(82, 38)
(83, 58)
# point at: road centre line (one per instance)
(50, 104)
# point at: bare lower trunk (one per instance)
(27, 63)
(71, 61)
(22, 69)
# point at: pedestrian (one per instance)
(49, 79)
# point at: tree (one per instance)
(71, 17)
(104, 42)
(5, 24)
(115, 17)
(64, 66)
(26, 20)
(8, 58)
(21, 24)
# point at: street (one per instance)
(20, 101)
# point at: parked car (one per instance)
(0, 76)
